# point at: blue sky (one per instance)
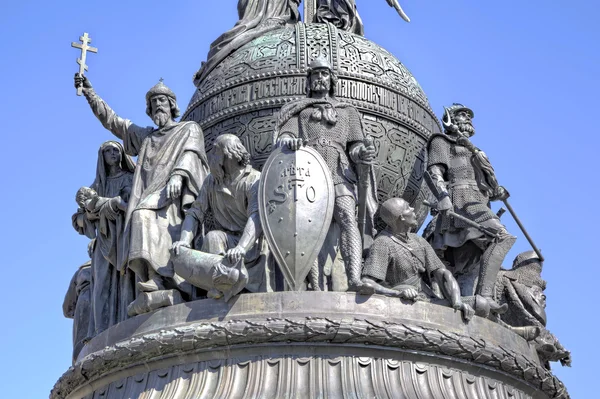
(527, 68)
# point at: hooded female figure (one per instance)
(103, 219)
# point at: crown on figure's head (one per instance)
(319, 62)
(160, 88)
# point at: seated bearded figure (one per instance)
(521, 288)
(403, 264)
(232, 256)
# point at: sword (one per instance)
(364, 182)
(431, 184)
(485, 230)
(494, 184)
(434, 190)
(500, 212)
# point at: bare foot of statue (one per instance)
(152, 285)
(214, 294)
(485, 306)
(150, 301)
(495, 308)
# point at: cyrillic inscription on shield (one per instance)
(296, 199)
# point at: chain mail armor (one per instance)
(344, 213)
(394, 261)
(334, 142)
(452, 166)
(338, 144)
(466, 196)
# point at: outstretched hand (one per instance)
(82, 81)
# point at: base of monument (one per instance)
(307, 345)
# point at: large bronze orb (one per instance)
(244, 93)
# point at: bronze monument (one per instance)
(293, 269)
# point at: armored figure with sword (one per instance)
(334, 130)
(467, 234)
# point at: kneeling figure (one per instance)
(230, 195)
(402, 264)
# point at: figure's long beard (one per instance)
(215, 165)
(320, 85)
(324, 112)
(466, 128)
(160, 118)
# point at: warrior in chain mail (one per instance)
(334, 129)
(466, 183)
(403, 264)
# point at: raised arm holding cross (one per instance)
(85, 40)
(171, 167)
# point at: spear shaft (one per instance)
(525, 233)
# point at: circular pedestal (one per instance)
(307, 345)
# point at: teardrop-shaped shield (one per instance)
(296, 199)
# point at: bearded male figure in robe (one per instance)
(230, 195)
(522, 289)
(170, 169)
(101, 216)
(256, 17)
(334, 129)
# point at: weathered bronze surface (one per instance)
(77, 306)
(335, 131)
(343, 14)
(522, 289)
(233, 244)
(296, 201)
(171, 167)
(404, 265)
(463, 180)
(244, 93)
(294, 344)
(338, 126)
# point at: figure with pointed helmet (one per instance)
(171, 167)
(334, 129)
(464, 182)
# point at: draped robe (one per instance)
(77, 306)
(341, 13)
(153, 221)
(256, 17)
(111, 291)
